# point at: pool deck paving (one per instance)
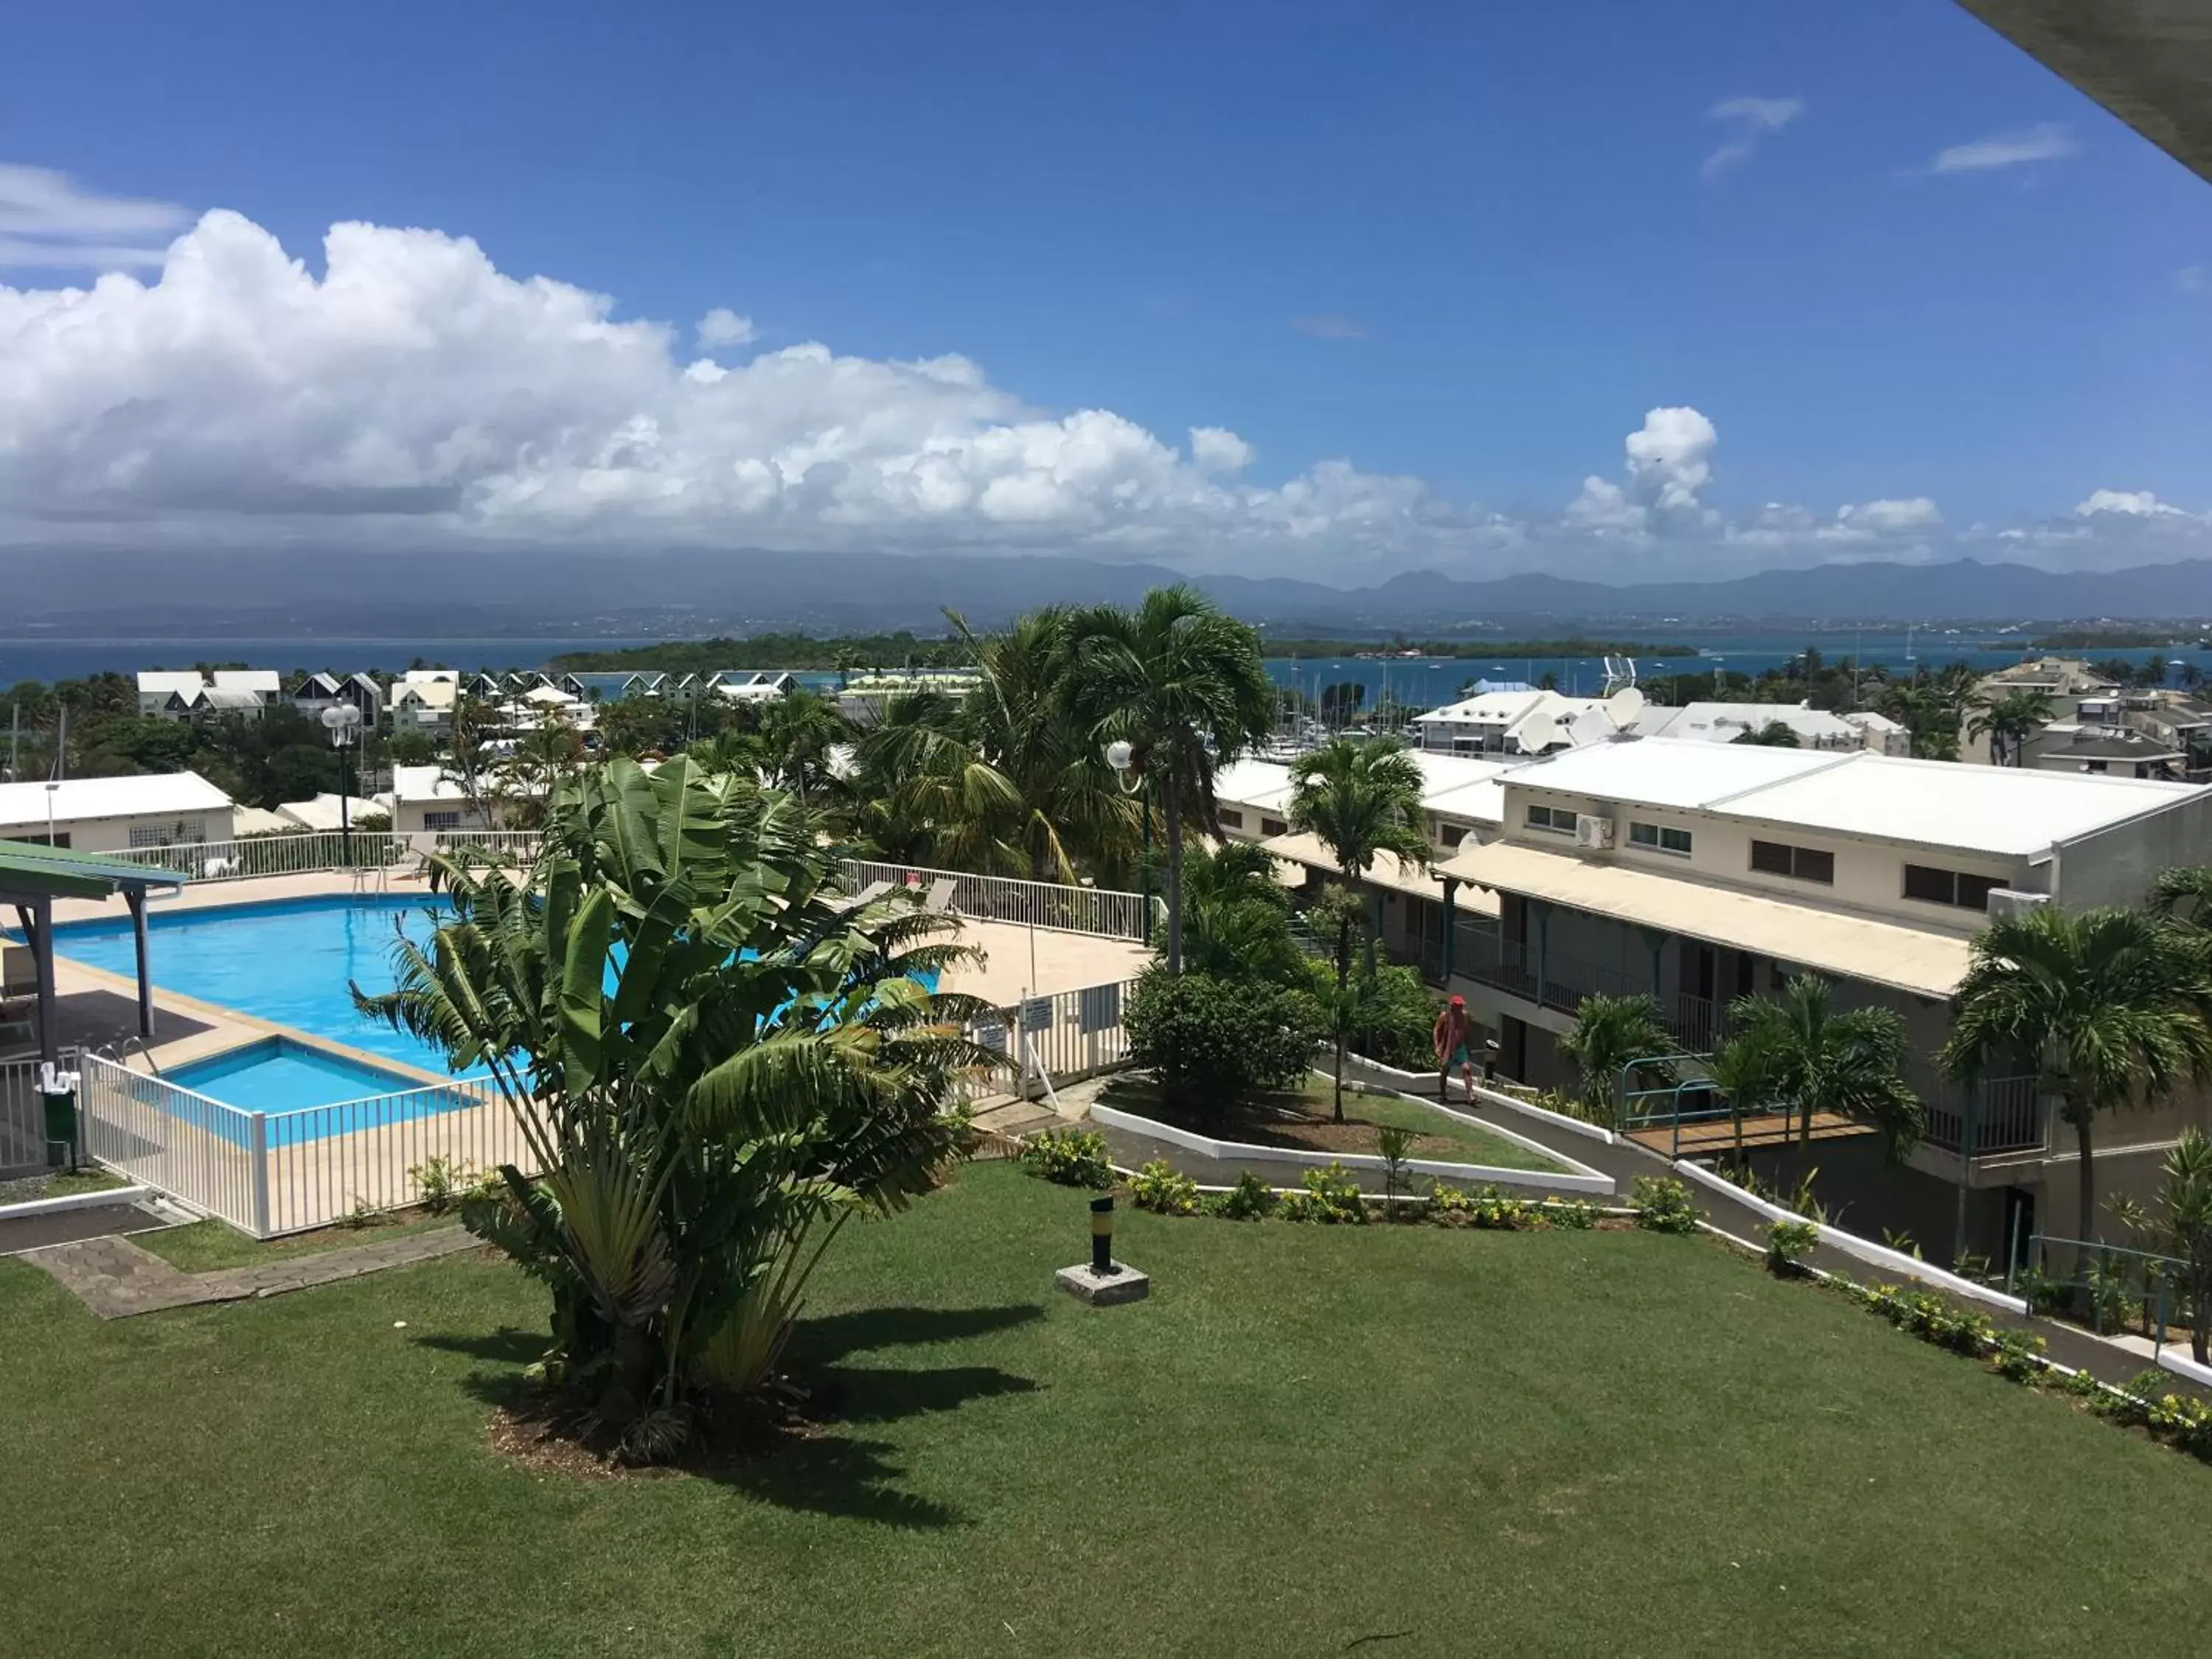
(117, 1279)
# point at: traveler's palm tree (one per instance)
(1609, 1032)
(1360, 797)
(713, 1061)
(2115, 1006)
(1818, 1063)
(2009, 721)
(1184, 686)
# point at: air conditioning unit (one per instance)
(2005, 902)
(1593, 832)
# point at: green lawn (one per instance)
(1560, 1442)
(201, 1247)
(1448, 1139)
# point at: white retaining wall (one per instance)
(1578, 1178)
(1878, 1255)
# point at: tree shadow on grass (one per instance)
(815, 1466)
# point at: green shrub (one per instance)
(1662, 1205)
(2185, 1419)
(2019, 1355)
(1788, 1242)
(1162, 1190)
(1249, 1200)
(1574, 1213)
(441, 1183)
(1330, 1195)
(1485, 1207)
(1211, 1040)
(1071, 1158)
(1935, 1317)
(2041, 1291)
(363, 1214)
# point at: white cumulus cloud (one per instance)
(414, 387)
(1670, 462)
(724, 327)
(2130, 503)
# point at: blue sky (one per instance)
(1467, 246)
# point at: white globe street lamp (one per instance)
(342, 722)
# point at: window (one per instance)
(1274, 827)
(1659, 838)
(1774, 858)
(441, 820)
(167, 835)
(1557, 819)
(1934, 886)
(1232, 819)
(1450, 835)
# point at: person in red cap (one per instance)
(1453, 1031)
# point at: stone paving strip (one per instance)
(116, 1279)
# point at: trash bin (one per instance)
(58, 1090)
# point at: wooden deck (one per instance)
(1710, 1135)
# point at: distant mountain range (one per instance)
(452, 593)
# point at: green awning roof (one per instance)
(30, 869)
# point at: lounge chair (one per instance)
(940, 896)
(18, 972)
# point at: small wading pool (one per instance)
(279, 1077)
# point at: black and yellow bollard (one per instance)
(1102, 1281)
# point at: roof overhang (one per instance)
(2150, 62)
(1925, 964)
(1388, 873)
(33, 870)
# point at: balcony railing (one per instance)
(2008, 1117)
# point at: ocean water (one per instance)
(1423, 680)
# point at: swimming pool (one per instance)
(288, 962)
(277, 1074)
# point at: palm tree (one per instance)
(1360, 797)
(799, 731)
(2115, 1005)
(2184, 1222)
(2183, 891)
(714, 1058)
(1609, 1032)
(1236, 917)
(1772, 735)
(1822, 1063)
(1185, 687)
(2009, 721)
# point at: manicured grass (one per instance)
(60, 1183)
(1558, 1443)
(1448, 1139)
(202, 1247)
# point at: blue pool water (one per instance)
(278, 1074)
(288, 962)
(277, 1077)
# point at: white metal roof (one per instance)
(77, 800)
(1725, 722)
(431, 693)
(322, 811)
(1660, 772)
(2002, 810)
(425, 783)
(1264, 785)
(247, 679)
(431, 677)
(161, 682)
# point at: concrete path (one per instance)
(115, 1279)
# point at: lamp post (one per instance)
(1121, 757)
(52, 789)
(342, 722)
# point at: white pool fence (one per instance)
(271, 1173)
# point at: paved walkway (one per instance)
(115, 1279)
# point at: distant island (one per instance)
(1472, 649)
(2112, 639)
